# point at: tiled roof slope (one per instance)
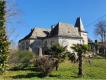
(36, 33)
(40, 32)
(60, 29)
(63, 29)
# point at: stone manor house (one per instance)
(62, 33)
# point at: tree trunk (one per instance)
(80, 72)
(57, 65)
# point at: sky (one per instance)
(44, 13)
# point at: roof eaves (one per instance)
(28, 36)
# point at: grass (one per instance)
(67, 70)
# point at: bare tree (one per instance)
(100, 30)
(12, 16)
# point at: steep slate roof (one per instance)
(79, 24)
(36, 33)
(64, 30)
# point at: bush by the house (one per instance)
(45, 65)
(21, 59)
(58, 52)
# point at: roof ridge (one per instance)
(66, 23)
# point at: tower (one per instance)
(81, 30)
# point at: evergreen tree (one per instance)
(4, 45)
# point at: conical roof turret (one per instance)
(79, 24)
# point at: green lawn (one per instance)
(68, 71)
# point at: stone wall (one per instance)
(68, 42)
(85, 37)
(35, 45)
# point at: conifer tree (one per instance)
(4, 45)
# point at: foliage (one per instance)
(72, 57)
(12, 58)
(22, 59)
(80, 48)
(57, 51)
(4, 44)
(67, 71)
(45, 64)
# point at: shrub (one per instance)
(58, 52)
(22, 59)
(45, 64)
(72, 57)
